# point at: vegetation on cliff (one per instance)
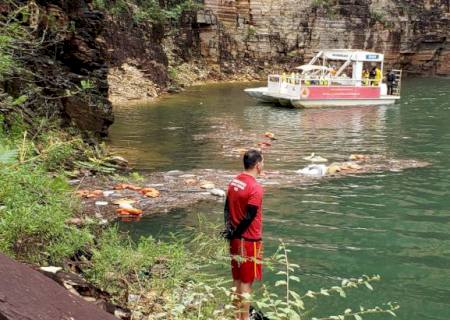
(148, 10)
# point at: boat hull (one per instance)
(318, 97)
(306, 103)
(261, 94)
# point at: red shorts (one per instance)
(246, 260)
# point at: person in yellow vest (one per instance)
(377, 76)
(293, 77)
(365, 76)
(333, 71)
(307, 80)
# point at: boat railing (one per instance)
(274, 83)
(291, 86)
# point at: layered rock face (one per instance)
(414, 35)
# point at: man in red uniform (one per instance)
(243, 220)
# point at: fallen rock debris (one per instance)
(163, 191)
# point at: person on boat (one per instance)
(377, 76)
(390, 77)
(333, 71)
(365, 76)
(307, 80)
(293, 77)
(372, 75)
(243, 229)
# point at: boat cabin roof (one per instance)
(311, 67)
(351, 54)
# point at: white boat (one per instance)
(324, 82)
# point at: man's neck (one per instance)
(252, 173)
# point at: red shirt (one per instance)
(243, 190)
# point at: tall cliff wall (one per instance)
(414, 35)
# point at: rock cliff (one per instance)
(61, 62)
(414, 35)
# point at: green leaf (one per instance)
(8, 156)
(20, 100)
(368, 286)
(280, 283)
(341, 292)
(347, 311)
(391, 313)
(294, 278)
(357, 317)
(310, 294)
(324, 292)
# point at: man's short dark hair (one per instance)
(251, 158)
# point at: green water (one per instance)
(395, 224)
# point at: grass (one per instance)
(32, 221)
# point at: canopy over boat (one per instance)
(351, 55)
(310, 67)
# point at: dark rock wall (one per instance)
(65, 50)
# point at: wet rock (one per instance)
(119, 161)
(95, 118)
(20, 285)
(75, 221)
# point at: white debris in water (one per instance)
(174, 173)
(217, 192)
(185, 176)
(107, 193)
(101, 203)
(125, 206)
(314, 170)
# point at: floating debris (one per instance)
(101, 203)
(129, 211)
(217, 192)
(315, 170)
(107, 193)
(89, 194)
(150, 192)
(123, 186)
(359, 157)
(314, 158)
(123, 201)
(207, 185)
(270, 135)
